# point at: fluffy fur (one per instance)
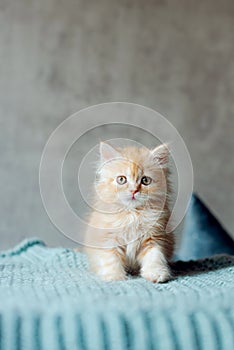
(127, 226)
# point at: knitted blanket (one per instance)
(48, 300)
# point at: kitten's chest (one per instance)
(137, 226)
(132, 250)
(138, 229)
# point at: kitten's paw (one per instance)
(156, 275)
(113, 277)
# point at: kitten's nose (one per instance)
(134, 191)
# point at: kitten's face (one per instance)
(132, 177)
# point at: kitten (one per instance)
(131, 215)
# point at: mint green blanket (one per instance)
(48, 300)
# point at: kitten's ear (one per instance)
(161, 154)
(107, 152)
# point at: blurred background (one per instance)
(58, 56)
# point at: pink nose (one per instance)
(134, 191)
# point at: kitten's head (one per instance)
(132, 177)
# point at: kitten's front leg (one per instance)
(154, 265)
(108, 265)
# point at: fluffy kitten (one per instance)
(131, 215)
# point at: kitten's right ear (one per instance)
(107, 152)
(160, 154)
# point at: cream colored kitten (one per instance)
(127, 228)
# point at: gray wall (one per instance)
(59, 56)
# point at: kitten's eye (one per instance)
(121, 180)
(146, 180)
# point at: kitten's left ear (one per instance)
(161, 154)
(107, 152)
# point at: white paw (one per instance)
(113, 276)
(156, 274)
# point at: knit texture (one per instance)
(48, 300)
